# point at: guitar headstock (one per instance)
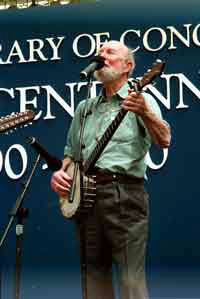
(14, 120)
(156, 70)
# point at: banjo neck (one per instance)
(94, 156)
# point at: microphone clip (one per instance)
(96, 64)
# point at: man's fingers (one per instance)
(61, 182)
(130, 104)
(61, 189)
(63, 179)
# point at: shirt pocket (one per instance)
(127, 130)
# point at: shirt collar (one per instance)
(121, 93)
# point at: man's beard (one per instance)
(106, 74)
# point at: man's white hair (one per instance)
(130, 57)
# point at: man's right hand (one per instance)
(61, 182)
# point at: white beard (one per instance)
(106, 74)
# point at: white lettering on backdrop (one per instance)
(167, 37)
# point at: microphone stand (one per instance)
(78, 153)
(21, 213)
(77, 167)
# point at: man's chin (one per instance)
(105, 75)
(104, 79)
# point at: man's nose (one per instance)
(102, 54)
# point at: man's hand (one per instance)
(158, 129)
(136, 103)
(61, 182)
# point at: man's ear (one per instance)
(129, 66)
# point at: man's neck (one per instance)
(112, 87)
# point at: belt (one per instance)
(102, 177)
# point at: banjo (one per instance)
(85, 191)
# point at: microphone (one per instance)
(52, 162)
(96, 64)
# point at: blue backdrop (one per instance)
(42, 53)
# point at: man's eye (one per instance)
(111, 52)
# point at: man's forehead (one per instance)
(114, 45)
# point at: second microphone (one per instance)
(53, 163)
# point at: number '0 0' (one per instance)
(7, 161)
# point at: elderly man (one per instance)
(115, 228)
